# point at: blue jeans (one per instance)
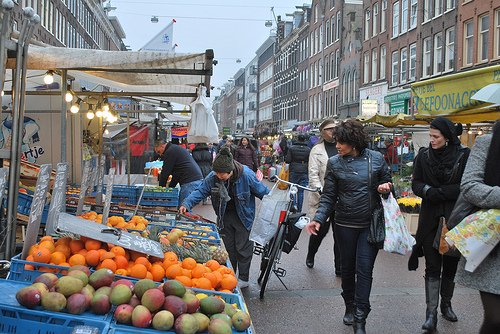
(358, 259)
(188, 188)
(300, 179)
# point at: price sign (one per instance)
(58, 198)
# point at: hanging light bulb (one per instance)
(106, 132)
(480, 132)
(105, 113)
(2, 93)
(469, 132)
(105, 105)
(68, 97)
(90, 114)
(98, 110)
(112, 119)
(75, 108)
(49, 77)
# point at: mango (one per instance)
(77, 303)
(54, 301)
(222, 316)
(142, 286)
(49, 279)
(203, 321)
(175, 305)
(85, 269)
(186, 324)
(80, 275)
(141, 317)
(101, 277)
(41, 287)
(123, 314)
(153, 299)
(120, 294)
(68, 285)
(88, 291)
(125, 281)
(193, 303)
(29, 296)
(212, 305)
(100, 304)
(103, 290)
(229, 309)
(134, 301)
(163, 321)
(219, 326)
(174, 287)
(241, 321)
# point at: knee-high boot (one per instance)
(432, 300)
(348, 318)
(359, 321)
(447, 288)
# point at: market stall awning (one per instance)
(392, 120)
(452, 96)
(177, 75)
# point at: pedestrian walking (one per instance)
(481, 187)
(233, 188)
(437, 172)
(180, 164)
(203, 157)
(246, 154)
(298, 159)
(318, 160)
(391, 155)
(353, 193)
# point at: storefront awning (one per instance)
(452, 96)
(392, 120)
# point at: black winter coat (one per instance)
(346, 189)
(298, 157)
(438, 200)
(246, 156)
(180, 164)
(204, 159)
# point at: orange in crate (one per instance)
(92, 257)
(138, 271)
(41, 255)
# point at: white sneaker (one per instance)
(243, 284)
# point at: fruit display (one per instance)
(145, 304)
(135, 223)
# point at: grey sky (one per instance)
(234, 29)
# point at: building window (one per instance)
(438, 7)
(349, 87)
(468, 42)
(404, 65)
(413, 62)
(327, 32)
(413, 13)
(366, 67)
(367, 24)
(337, 63)
(395, 68)
(438, 53)
(375, 20)
(354, 86)
(339, 25)
(344, 88)
(450, 4)
(449, 52)
(383, 16)
(374, 64)
(383, 56)
(332, 30)
(316, 13)
(496, 42)
(426, 63)
(427, 10)
(404, 15)
(483, 31)
(395, 19)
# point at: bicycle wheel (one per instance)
(273, 253)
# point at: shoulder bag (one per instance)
(377, 224)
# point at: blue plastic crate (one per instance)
(25, 321)
(160, 197)
(167, 202)
(125, 194)
(227, 297)
(20, 274)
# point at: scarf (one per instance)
(442, 160)
(491, 174)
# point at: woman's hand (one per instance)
(182, 209)
(384, 188)
(313, 227)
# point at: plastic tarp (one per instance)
(392, 120)
(203, 127)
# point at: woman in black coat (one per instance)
(246, 154)
(436, 179)
(203, 157)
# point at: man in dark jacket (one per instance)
(298, 158)
(180, 164)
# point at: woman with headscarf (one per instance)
(318, 159)
(481, 187)
(436, 179)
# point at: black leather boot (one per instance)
(314, 243)
(447, 288)
(359, 322)
(348, 318)
(309, 261)
(432, 300)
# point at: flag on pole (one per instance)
(162, 41)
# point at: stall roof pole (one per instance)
(64, 105)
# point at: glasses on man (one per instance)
(329, 129)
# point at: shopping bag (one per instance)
(284, 176)
(397, 237)
(268, 215)
(476, 236)
(440, 243)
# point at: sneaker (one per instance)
(243, 284)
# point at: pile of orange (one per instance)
(135, 223)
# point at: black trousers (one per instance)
(437, 264)
(315, 242)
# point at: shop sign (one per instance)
(399, 107)
(180, 132)
(369, 108)
(120, 103)
(397, 97)
(226, 130)
(330, 85)
(452, 93)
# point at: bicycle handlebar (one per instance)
(276, 178)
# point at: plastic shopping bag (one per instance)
(476, 236)
(397, 237)
(284, 176)
(267, 218)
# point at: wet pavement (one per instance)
(311, 302)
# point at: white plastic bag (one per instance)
(203, 127)
(267, 218)
(397, 237)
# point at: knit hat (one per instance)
(449, 130)
(223, 162)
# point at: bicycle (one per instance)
(272, 251)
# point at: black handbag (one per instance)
(377, 225)
(462, 209)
